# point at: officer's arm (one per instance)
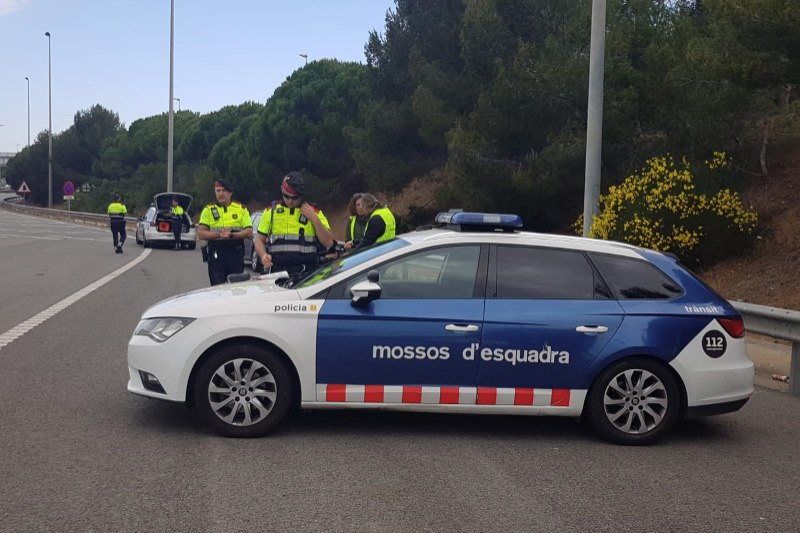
(323, 230)
(375, 229)
(259, 242)
(246, 233)
(205, 234)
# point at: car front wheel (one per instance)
(243, 391)
(634, 402)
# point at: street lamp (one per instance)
(29, 110)
(304, 56)
(50, 128)
(179, 104)
(171, 109)
(594, 120)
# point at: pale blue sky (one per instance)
(116, 53)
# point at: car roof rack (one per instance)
(459, 220)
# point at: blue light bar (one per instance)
(495, 220)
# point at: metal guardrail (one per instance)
(779, 323)
(92, 219)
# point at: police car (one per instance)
(470, 316)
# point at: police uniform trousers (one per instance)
(118, 231)
(176, 230)
(224, 262)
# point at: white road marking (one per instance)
(21, 329)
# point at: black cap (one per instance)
(293, 184)
(225, 184)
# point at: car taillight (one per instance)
(152, 224)
(734, 326)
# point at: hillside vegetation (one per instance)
(489, 97)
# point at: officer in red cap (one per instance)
(295, 230)
(225, 225)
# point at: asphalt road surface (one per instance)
(79, 453)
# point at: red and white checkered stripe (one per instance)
(442, 395)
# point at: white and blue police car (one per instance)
(469, 316)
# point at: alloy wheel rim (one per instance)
(635, 401)
(242, 392)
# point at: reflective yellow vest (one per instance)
(292, 242)
(177, 210)
(216, 218)
(388, 219)
(117, 210)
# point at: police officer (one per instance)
(294, 229)
(117, 212)
(177, 221)
(381, 225)
(357, 222)
(225, 225)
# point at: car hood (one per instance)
(229, 298)
(163, 200)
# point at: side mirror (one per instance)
(365, 292)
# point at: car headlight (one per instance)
(161, 329)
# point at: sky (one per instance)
(116, 53)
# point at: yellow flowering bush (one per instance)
(659, 207)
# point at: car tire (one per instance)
(138, 240)
(621, 411)
(255, 262)
(243, 391)
(192, 245)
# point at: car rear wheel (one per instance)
(243, 391)
(634, 402)
(255, 262)
(138, 240)
(192, 245)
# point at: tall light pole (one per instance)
(171, 70)
(29, 110)
(50, 127)
(594, 122)
(305, 56)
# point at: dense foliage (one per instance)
(491, 92)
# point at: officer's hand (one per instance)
(225, 233)
(308, 212)
(266, 260)
(348, 245)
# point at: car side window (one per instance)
(443, 273)
(635, 279)
(543, 273)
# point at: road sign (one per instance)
(23, 188)
(68, 197)
(69, 189)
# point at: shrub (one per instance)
(659, 207)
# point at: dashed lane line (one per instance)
(21, 329)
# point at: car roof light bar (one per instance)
(458, 220)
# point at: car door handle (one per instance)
(591, 329)
(463, 328)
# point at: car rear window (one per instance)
(543, 273)
(635, 279)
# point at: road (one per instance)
(79, 453)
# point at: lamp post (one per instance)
(305, 56)
(594, 122)
(29, 110)
(50, 127)
(179, 104)
(171, 109)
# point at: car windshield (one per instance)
(349, 261)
